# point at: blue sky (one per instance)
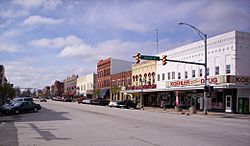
(46, 40)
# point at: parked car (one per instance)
(100, 101)
(67, 99)
(43, 100)
(126, 104)
(113, 104)
(86, 101)
(20, 106)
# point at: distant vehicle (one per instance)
(113, 103)
(86, 101)
(43, 100)
(100, 101)
(79, 100)
(20, 106)
(126, 104)
(58, 98)
(67, 99)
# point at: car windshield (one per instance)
(16, 103)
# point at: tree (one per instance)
(6, 93)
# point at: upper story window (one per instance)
(173, 75)
(200, 72)
(217, 70)
(163, 76)
(186, 74)
(158, 77)
(228, 69)
(168, 75)
(179, 75)
(193, 73)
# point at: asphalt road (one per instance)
(60, 123)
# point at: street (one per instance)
(62, 123)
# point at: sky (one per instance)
(46, 40)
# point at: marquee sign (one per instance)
(212, 80)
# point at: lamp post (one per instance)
(204, 38)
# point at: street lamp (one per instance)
(204, 38)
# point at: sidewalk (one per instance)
(209, 114)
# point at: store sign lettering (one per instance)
(210, 80)
(179, 83)
(193, 82)
(242, 79)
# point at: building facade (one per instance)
(119, 83)
(57, 89)
(70, 86)
(144, 83)
(86, 85)
(3, 79)
(228, 74)
(105, 68)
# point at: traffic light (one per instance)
(137, 58)
(209, 88)
(206, 88)
(164, 59)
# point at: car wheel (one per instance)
(35, 109)
(17, 111)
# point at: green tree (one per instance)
(6, 93)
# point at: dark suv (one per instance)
(126, 104)
(20, 106)
(100, 101)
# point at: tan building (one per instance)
(144, 82)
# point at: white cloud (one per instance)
(39, 20)
(12, 14)
(81, 51)
(57, 42)
(46, 4)
(5, 47)
(132, 26)
(12, 33)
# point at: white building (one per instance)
(228, 72)
(86, 85)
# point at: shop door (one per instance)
(243, 105)
(228, 103)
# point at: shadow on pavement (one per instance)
(45, 133)
(8, 134)
(8, 131)
(42, 115)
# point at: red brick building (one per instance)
(57, 89)
(70, 85)
(106, 68)
(119, 82)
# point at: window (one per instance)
(173, 75)
(186, 74)
(179, 75)
(200, 72)
(158, 77)
(163, 76)
(193, 73)
(228, 69)
(207, 71)
(217, 70)
(168, 75)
